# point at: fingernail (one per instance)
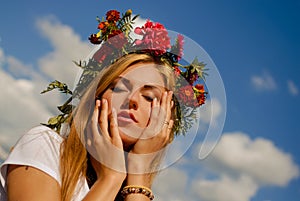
(165, 94)
(103, 100)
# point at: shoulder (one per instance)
(40, 134)
(38, 148)
(38, 142)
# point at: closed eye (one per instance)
(148, 98)
(118, 89)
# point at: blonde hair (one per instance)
(73, 160)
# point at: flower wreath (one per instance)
(116, 41)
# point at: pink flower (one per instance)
(180, 42)
(155, 38)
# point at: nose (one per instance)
(133, 101)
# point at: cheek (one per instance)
(145, 113)
(117, 100)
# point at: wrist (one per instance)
(114, 178)
(140, 180)
(140, 163)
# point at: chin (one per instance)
(128, 141)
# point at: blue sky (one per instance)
(255, 45)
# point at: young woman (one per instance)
(117, 134)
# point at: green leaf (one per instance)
(53, 120)
(66, 109)
(62, 87)
(136, 16)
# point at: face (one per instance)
(131, 94)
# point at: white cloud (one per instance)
(258, 158)
(293, 89)
(67, 47)
(2, 57)
(235, 171)
(171, 185)
(22, 106)
(264, 82)
(225, 189)
(18, 69)
(210, 112)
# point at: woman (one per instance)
(117, 133)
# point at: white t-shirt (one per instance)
(39, 148)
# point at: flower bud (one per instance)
(128, 12)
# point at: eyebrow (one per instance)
(128, 84)
(153, 87)
(124, 80)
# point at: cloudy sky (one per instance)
(255, 45)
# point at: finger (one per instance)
(170, 126)
(93, 134)
(154, 110)
(156, 118)
(94, 120)
(152, 128)
(163, 99)
(169, 105)
(103, 118)
(169, 131)
(114, 130)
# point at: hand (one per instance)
(154, 138)
(157, 134)
(104, 143)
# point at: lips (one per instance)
(126, 117)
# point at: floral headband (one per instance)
(115, 38)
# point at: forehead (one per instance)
(144, 73)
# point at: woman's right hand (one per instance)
(104, 143)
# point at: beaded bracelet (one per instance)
(137, 189)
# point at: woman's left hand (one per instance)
(157, 134)
(151, 144)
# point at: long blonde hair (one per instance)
(73, 160)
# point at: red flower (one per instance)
(186, 96)
(201, 99)
(102, 53)
(192, 78)
(200, 94)
(200, 88)
(117, 39)
(102, 25)
(112, 16)
(94, 39)
(155, 38)
(177, 70)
